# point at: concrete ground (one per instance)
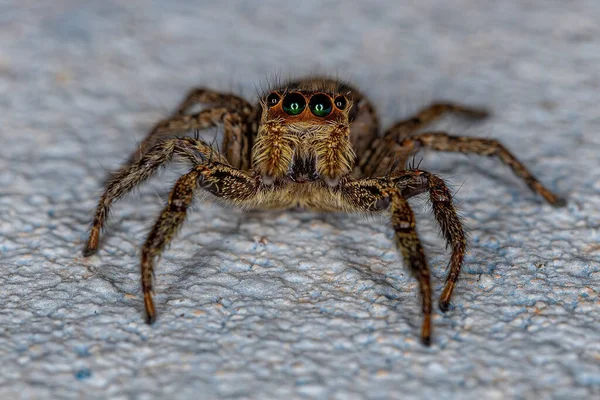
(294, 304)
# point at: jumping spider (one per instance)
(313, 144)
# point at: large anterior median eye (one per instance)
(320, 105)
(294, 103)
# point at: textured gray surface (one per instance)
(297, 304)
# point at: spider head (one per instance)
(304, 136)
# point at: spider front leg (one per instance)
(414, 182)
(441, 141)
(403, 222)
(377, 195)
(192, 150)
(220, 180)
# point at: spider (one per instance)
(314, 144)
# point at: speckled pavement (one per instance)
(284, 305)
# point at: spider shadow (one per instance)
(337, 222)
(353, 244)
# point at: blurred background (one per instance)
(291, 305)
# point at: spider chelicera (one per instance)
(313, 144)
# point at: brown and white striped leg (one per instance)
(441, 141)
(237, 134)
(406, 127)
(182, 121)
(378, 194)
(179, 125)
(407, 240)
(370, 194)
(414, 182)
(375, 155)
(191, 150)
(220, 180)
(236, 141)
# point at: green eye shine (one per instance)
(294, 104)
(320, 105)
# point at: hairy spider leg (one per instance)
(373, 160)
(378, 194)
(442, 141)
(121, 183)
(221, 180)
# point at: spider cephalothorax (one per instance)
(304, 134)
(313, 144)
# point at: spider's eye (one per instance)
(294, 103)
(340, 102)
(272, 99)
(320, 105)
